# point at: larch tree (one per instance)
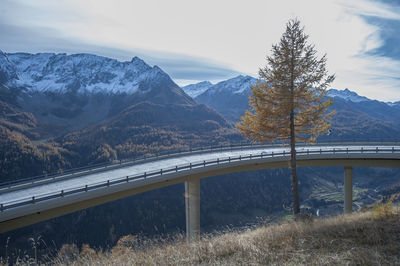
(287, 103)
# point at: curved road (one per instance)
(68, 193)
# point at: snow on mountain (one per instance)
(347, 95)
(394, 104)
(194, 90)
(7, 70)
(81, 73)
(229, 97)
(237, 85)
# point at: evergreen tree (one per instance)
(288, 101)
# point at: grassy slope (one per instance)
(359, 239)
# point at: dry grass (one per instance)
(369, 238)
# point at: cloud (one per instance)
(359, 37)
(375, 67)
(184, 69)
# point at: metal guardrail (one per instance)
(190, 166)
(166, 154)
(70, 173)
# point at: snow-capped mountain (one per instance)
(237, 85)
(229, 97)
(194, 90)
(355, 113)
(80, 72)
(73, 91)
(347, 95)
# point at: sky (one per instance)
(215, 40)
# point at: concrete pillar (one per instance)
(348, 189)
(192, 203)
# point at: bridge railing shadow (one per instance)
(191, 166)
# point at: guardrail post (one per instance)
(348, 189)
(192, 206)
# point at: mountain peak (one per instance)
(61, 72)
(235, 85)
(137, 61)
(194, 90)
(347, 95)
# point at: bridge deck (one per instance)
(136, 169)
(35, 197)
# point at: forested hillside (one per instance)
(52, 120)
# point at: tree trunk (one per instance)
(295, 183)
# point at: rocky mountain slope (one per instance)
(57, 112)
(229, 97)
(85, 73)
(70, 92)
(357, 116)
(85, 108)
(194, 90)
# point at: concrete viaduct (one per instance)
(31, 201)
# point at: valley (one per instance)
(60, 111)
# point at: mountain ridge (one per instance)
(69, 92)
(355, 114)
(48, 131)
(194, 90)
(228, 97)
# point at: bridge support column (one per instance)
(192, 203)
(348, 189)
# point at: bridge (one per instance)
(31, 201)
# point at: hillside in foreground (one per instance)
(366, 238)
